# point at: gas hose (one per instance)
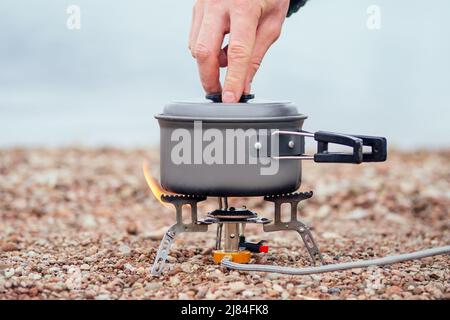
(339, 266)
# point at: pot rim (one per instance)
(225, 120)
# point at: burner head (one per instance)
(232, 214)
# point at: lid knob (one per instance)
(217, 97)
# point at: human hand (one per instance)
(253, 25)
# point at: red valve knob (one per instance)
(263, 249)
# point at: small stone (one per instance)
(394, 290)
(334, 290)
(33, 292)
(357, 271)
(174, 281)
(85, 266)
(417, 290)
(153, 286)
(35, 276)
(125, 250)
(128, 266)
(277, 288)
(237, 287)
(273, 276)
(186, 267)
(90, 294)
(323, 211)
(155, 235)
(330, 235)
(201, 293)
(9, 273)
(31, 254)
(103, 296)
(88, 221)
(9, 246)
(183, 296)
(357, 214)
(323, 289)
(248, 293)
(140, 271)
(132, 228)
(272, 293)
(138, 292)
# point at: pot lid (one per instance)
(253, 110)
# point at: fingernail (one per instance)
(228, 97)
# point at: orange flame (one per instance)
(154, 186)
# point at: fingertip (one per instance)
(228, 97)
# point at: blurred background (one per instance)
(102, 84)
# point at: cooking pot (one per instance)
(251, 148)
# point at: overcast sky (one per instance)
(103, 84)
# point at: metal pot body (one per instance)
(242, 163)
(246, 149)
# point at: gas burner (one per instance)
(232, 213)
(230, 240)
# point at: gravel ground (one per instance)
(80, 223)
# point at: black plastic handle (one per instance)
(323, 155)
(217, 97)
(379, 148)
(377, 144)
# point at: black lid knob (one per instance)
(217, 97)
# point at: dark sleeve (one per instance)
(294, 6)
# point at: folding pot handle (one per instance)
(323, 155)
(377, 154)
(379, 148)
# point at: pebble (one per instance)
(88, 221)
(357, 214)
(153, 286)
(8, 246)
(35, 276)
(125, 250)
(183, 296)
(334, 290)
(277, 288)
(323, 289)
(273, 276)
(201, 293)
(132, 228)
(9, 273)
(175, 281)
(237, 287)
(418, 290)
(248, 293)
(186, 267)
(140, 271)
(128, 266)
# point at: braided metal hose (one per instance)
(339, 266)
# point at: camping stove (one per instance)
(230, 221)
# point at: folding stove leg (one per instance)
(163, 251)
(294, 224)
(178, 201)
